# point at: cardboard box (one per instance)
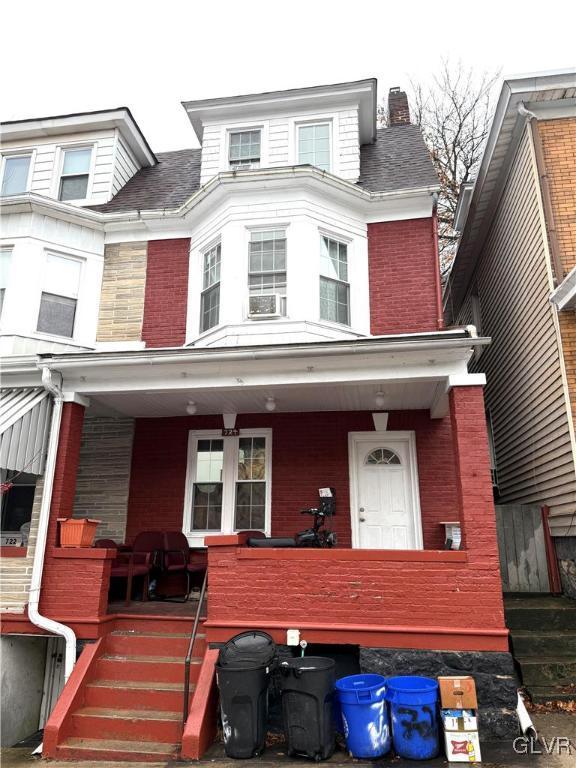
(459, 720)
(458, 692)
(462, 747)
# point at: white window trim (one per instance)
(316, 119)
(196, 538)
(77, 317)
(250, 230)
(258, 125)
(205, 250)
(307, 124)
(347, 242)
(31, 153)
(59, 165)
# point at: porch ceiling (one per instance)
(312, 397)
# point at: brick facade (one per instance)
(309, 450)
(404, 274)
(166, 300)
(122, 294)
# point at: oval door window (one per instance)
(382, 457)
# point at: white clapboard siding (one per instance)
(279, 143)
(125, 165)
(525, 392)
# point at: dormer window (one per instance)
(75, 174)
(244, 151)
(15, 174)
(314, 145)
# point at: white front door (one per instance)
(385, 504)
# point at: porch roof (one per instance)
(411, 370)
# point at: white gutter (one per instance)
(39, 552)
(97, 359)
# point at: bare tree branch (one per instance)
(454, 114)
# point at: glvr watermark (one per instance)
(556, 745)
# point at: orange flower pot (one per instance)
(77, 533)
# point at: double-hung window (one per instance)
(75, 174)
(16, 169)
(244, 149)
(59, 296)
(267, 265)
(5, 261)
(314, 145)
(210, 299)
(334, 285)
(228, 486)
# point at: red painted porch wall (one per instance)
(166, 296)
(404, 274)
(309, 450)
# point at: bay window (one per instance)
(75, 174)
(314, 145)
(228, 483)
(59, 296)
(15, 172)
(210, 299)
(334, 285)
(267, 265)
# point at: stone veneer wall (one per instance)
(123, 289)
(16, 572)
(104, 474)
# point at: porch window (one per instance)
(210, 301)
(228, 487)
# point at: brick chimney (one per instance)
(398, 109)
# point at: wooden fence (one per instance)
(522, 546)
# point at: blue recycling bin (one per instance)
(362, 700)
(414, 713)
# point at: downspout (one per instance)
(38, 565)
(532, 121)
(439, 307)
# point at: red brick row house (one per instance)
(217, 334)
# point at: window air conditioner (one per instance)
(263, 306)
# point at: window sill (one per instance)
(13, 551)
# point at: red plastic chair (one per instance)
(127, 565)
(179, 558)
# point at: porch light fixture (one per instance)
(270, 404)
(191, 408)
(380, 399)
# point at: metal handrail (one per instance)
(190, 651)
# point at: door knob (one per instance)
(361, 509)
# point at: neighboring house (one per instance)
(216, 334)
(514, 278)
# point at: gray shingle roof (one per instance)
(398, 159)
(166, 185)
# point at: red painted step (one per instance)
(144, 643)
(166, 669)
(128, 724)
(121, 694)
(116, 750)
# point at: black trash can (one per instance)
(307, 689)
(243, 675)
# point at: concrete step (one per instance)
(168, 669)
(116, 750)
(152, 644)
(540, 613)
(541, 694)
(127, 724)
(545, 670)
(535, 643)
(121, 694)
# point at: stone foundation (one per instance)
(496, 681)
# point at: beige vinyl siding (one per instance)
(525, 391)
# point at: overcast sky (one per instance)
(62, 56)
